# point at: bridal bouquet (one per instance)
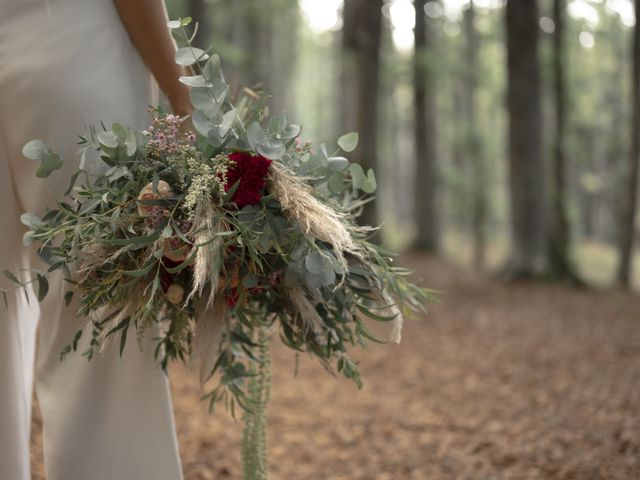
(221, 238)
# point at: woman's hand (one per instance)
(146, 23)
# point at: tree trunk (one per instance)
(426, 208)
(627, 230)
(560, 264)
(526, 166)
(474, 152)
(362, 28)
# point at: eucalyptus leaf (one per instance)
(108, 139)
(357, 175)
(290, 132)
(120, 133)
(370, 185)
(256, 135)
(187, 56)
(338, 163)
(272, 150)
(201, 123)
(314, 262)
(212, 68)
(219, 89)
(51, 163)
(201, 97)
(194, 81)
(336, 183)
(131, 143)
(35, 150)
(278, 123)
(348, 142)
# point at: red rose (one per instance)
(252, 171)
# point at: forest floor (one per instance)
(501, 381)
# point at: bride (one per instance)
(65, 64)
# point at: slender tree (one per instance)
(526, 166)
(560, 264)
(362, 26)
(627, 228)
(474, 149)
(426, 211)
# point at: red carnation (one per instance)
(252, 171)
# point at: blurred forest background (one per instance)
(505, 137)
(501, 132)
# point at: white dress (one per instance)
(65, 64)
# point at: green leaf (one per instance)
(231, 192)
(260, 143)
(108, 139)
(370, 185)
(194, 81)
(272, 150)
(119, 131)
(338, 163)
(187, 56)
(201, 123)
(314, 262)
(291, 131)
(142, 271)
(27, 239)
(348, 142)
(357, 175)
(311, 164)
(336, 183)
(51, 163)
(201, 97)
(212, 69)
(11, 277)
(323, 152)
(219, 89)
(362, 329)
(35, 150)
(43, 287)
(68, 297)
(256, 135)
(130, 143)
(30, 220)
(328, 276)
(278, 123)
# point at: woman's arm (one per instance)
(146, 22)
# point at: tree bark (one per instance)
(529, 221)
(627, 228)
(426, 208)
(362, 28)
(560, 264)
(474, 154)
